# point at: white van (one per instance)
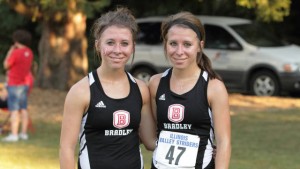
(248, 57)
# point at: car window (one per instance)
(218, 38)
(149, 33)
(258, 35)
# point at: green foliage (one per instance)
(10, 19)
(198, 7)
(53, 11)
(92, 7)
(158, 7)
(268, 10)
(10, 22)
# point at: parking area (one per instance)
(248, 57)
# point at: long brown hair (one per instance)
(188, 20)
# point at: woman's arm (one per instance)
(148, 122)
(218, 100)
(153, 85)
(9, 52)
(147, 127)
(76, 103)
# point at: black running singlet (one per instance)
(109, 129)
(185, 126)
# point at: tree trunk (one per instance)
(62, 53)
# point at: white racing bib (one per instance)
(176, 150)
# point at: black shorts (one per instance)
(3, 103)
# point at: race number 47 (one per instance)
(170, 154)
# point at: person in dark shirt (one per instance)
(189, 101)
(108, 110)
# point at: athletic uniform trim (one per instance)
(91, 78)
(190, 113)
(109, 128)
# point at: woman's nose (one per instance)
(179, 50)
(117, 48)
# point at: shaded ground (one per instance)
(48, 104)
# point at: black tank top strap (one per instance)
(134, 87)
(97, 81)
(164, 82)
(205, 78)
(110, 127)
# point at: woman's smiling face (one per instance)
(182, 46)
(116, 46)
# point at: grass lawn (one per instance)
(41, 151)
(266, 139)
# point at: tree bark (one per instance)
(63, 53)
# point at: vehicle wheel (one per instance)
(143, 73)
(264, 83)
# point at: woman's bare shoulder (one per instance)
(216, 90)
(154, 80)
(80, 90)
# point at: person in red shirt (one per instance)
(18, 63)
